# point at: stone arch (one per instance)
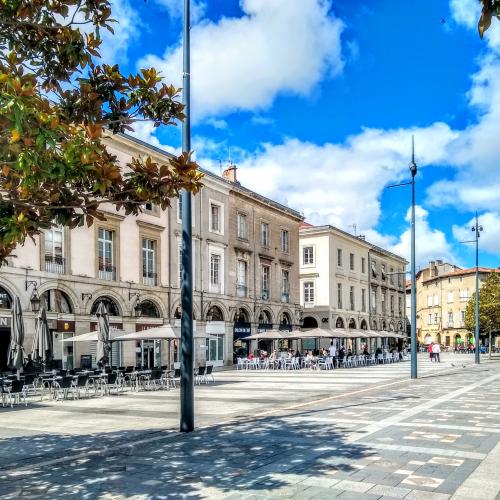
(265, 317)
(310, 322)
(339, 322)
(56, 301)
(149, 308)
(157, 302)
(54, 285)
(111, 304)
(363, 325)
(285, 318)
(6, 298)
(12, 290)
(177, 310)
(242, 315)
(103, 292)
(214, 313)
(352, 324)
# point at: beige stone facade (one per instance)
(443, 291)
(133, 265)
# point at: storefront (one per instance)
(5, 325)
(215, 342)
(63, 351)
(240, 347)
(148, 353)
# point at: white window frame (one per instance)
(263, 279)
(451, 297)
(340, 257)
(146, 252)
(363, 300)
(311, 255)
(340, 301)
(103, 242)
(352, 298)
(265, 234)
(221, 217)
(352, 264)
(308, 289)
(240, 216)
(363, 265)
(285, 290)
(284, 240)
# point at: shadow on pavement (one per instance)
(248, 454)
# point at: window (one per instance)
(351, 298)
(450, 318)
(391, 302)
(400, 306)
(149, 262)
(391, 276)
(107, 270)
(308, 255)
(215, 218)
(150, 208)
(374, 269)
(464, 295)
(363, 265)
(351, 261)
(383, 302)
(436, 300)
(265, 281)
(374, 301)
(435, 318)
(429, 319)
(264, 234)
(215, 272)
(339, 295)
(285, 285)
(308, 292)
(429, 300)
(54, 250)
(450, 297)
(179, 209)
(241, 287)
(363, 300)
(339, 257)
(284, 240)
(242, 226)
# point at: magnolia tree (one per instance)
(56, 102)
(490, 9)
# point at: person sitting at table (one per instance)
(341, 354)
(365, 351)
(272, 357)
(378, 352)
(349, 353)
(251, 356)
(29, 367)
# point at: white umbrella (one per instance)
(42, 341)
(163, 332)
(93, 336)
(15, 352)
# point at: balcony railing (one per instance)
(241, 290)
(149, 278)
(54, 264)
(107, 272)
(285, 297)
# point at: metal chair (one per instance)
(200, 375)
(15, 392)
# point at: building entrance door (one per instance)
(4, 347)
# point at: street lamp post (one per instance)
(477, 229)
(413, 338)
(186, 352)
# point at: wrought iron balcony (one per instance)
(55, 264)
(149, 278)
(107, 271)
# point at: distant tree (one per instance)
(56, 103)
(489, 306)
(490, 9)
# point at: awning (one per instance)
(268, 335)
(163, 332)
(324, 333)
(92, 336)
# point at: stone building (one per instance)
(132, 264)
(346, 282)
(443, 291)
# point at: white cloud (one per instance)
(276, 47)
(431, 244)
(216, 123)
(465, 12)
(489, 240)
(175, 9)
(146, 131)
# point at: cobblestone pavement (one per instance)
(361, 433)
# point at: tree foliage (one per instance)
(56, 104)
(489, 306)
(490, 9)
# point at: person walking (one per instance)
(333, 354)
(436, 349)
(431, 353)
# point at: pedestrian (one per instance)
(431, 354)
(436, 349)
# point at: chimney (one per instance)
(362, 237)
(230, 173)
(439, 262)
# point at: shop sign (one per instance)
(5, 321)
(65, 326)
(242, 329)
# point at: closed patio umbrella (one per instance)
(15, 352)
(42, 341)
(103, 344)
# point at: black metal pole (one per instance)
(476, 305)
(186, 352)
(413, 170)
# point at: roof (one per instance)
(305, 229)
(305, 224)
(463, 272)
(236, 187)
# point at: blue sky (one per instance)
(316, 104)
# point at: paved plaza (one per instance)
(360, 433)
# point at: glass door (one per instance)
(215, 350)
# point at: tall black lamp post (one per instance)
(186, 352)
(477, 229)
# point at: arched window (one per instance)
(5, 299)
(241, 316)
(111, 306)
(215, 314)
(363, 325)
(56, 301)
(148, 309)
(265, 317)
(352, 323)
(285, 319)
(339, 323)
(310, 322)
